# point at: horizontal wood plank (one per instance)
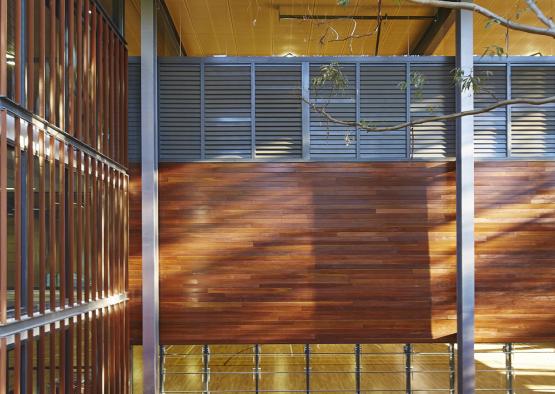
(345, 252)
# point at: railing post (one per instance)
(307, 367)
(257, 368)
(358, 368)
(452, 373)
(408, 368)
(508, 350)
(206, 368)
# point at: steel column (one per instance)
(149, 163)
(465, 210)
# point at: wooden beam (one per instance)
(434, 34)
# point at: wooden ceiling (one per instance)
(133, 27)
(254, 28)
(519, 43)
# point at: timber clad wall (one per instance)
(515, 251)
(302, 252)
(347, 252)
(135, 254)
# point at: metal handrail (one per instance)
(53, 130)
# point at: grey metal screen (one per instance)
(134, 111)
(278, 111)
(252, 109)
(490, 128)
(437, 97)
(533, 127)
(383, 101)
(227, 111)
(179, 112)
(331, 140)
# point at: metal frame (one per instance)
(257, 368)
(163, 10)
(307, 368)
(360, 17)
(408, 93)
(466, 374)
(236, 60)
(358, 369)
(405, 362)
(60, 135)
(305, 80)
(357, 107)
(509, 371)
(202, 114)
(408, 368)
(13, 326)
(452, 372)
(304, 62)
(205, 368)
(149, 197)
(508, 119)
(253, 111)
(120, 14)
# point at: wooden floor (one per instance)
(282, 368)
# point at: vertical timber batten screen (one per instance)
(206, 114)
(63, 196)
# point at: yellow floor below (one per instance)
(282, 368)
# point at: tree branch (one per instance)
(399, 126)
(539, 13)
(550, 31)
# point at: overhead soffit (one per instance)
(254, 28)
(133, 26)
(516, 43)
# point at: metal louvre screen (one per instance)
(179, 112)
(134, 111)
(251, 109)
(533, 127)
(382, 101)
(278, 111)
(228, 132)
(490, 128)
(436, 97)
(331, 140)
